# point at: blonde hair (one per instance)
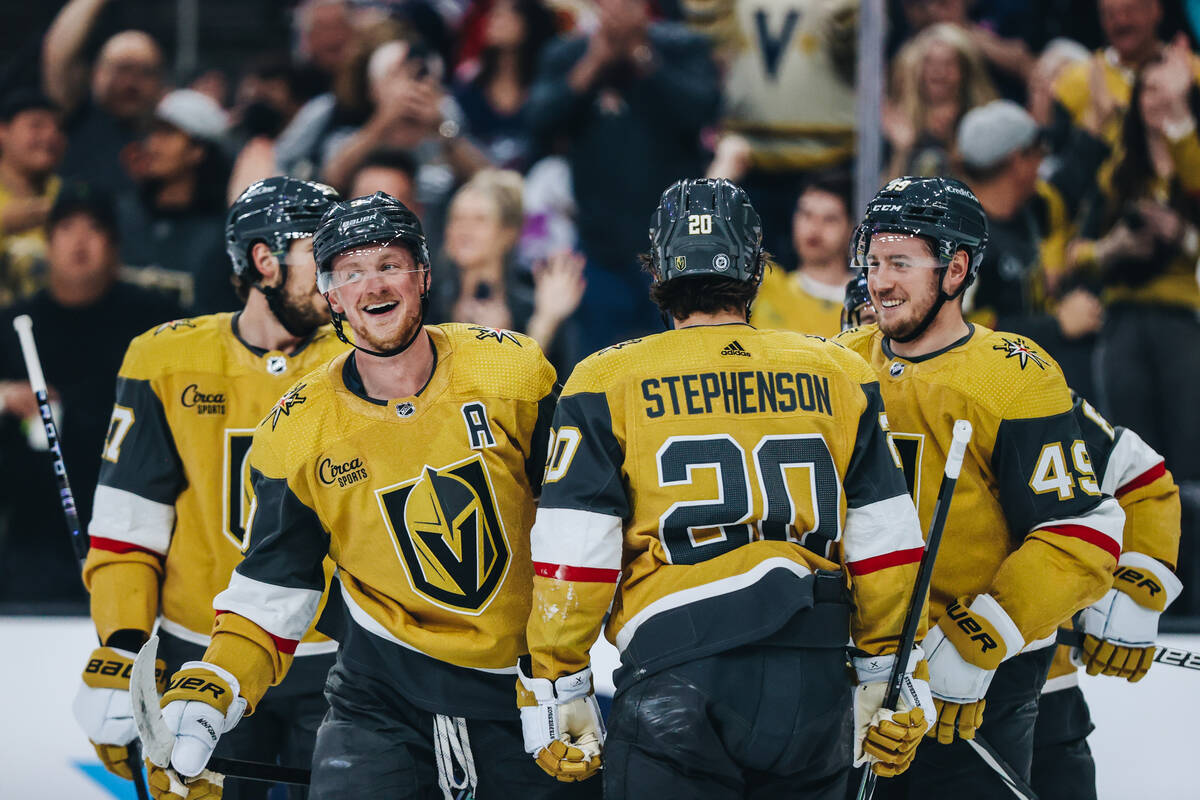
(505, 188)
(976, 87)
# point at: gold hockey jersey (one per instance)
(1132, 472)
(173, 496)
(424, 503)
(789, 302)
(707, 475)
(1029, 523)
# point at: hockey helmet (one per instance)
(942, 210)
(857, 298)
(378, 220)
(706, 227)
(273, 211)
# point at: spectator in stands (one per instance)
(810, 299)
(125, 86)
(393, 171)
(788, 106)
(936, 78)
(267, 98)
(483, 283)
(1058, 55)
(1030, 219)
(630, 98)
(1146, 254)
(1131, 29)
(409, 110)
(83, 321)
(175, 222)
(324, 35)
(493, 85)
(31, 147)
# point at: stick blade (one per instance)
(157, 741)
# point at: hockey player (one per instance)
(713, 477)
(1119, 630)
(174, 496)
(413, 462)
(1031, 538)
(856, 305)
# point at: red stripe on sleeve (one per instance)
(1145, 479)
(118, 546)
(1089, 535)
(285, 646)
(563, 572)
(893, 559)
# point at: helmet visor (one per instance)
(910, 246)
(385, 261)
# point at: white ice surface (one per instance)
(1143, 743)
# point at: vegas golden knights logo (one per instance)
(449, 534)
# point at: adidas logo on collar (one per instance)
(735, 348)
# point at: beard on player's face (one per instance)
(902, 301)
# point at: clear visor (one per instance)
(872, 245)
(387, 261)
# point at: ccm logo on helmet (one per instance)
(198, 685)
(967, 624)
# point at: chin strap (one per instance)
(336, 319)
(942, 299)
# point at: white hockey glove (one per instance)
(102, 706)
(888, 739)
(564, 732)
(200, 704)
(964, 650)
(1121, 628)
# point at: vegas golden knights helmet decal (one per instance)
(448, 534)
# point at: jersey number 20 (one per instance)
(727, 519)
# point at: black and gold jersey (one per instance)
(794, 302)
(706, 475)
(1132, 472)
(174, 492)
(424, 504)
(1030, 523)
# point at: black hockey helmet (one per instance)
(706, 226)
(378, 220)
(942, 210)
(273, 211)
(857, 297)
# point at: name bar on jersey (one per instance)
(736, 392)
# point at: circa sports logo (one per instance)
(203, 402)
(448, 533)
(341, 473)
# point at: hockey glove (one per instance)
(888, 739)
(564, 732)
(103, 709)
(201, 703)
(167, 784)
(965, 648)
(1120, 629)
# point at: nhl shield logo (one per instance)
(896, 369)
(449, 535)
(276, 365)
(405, 409)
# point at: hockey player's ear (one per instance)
(267, 265)
(335, 303)
(956, 273)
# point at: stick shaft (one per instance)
(912, 619)
(79, 540)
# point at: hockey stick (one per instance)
(1015, 783)
(1171, 656)
(159, 741)
(79, 540)
(908, 635)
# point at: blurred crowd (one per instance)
(533, 138)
